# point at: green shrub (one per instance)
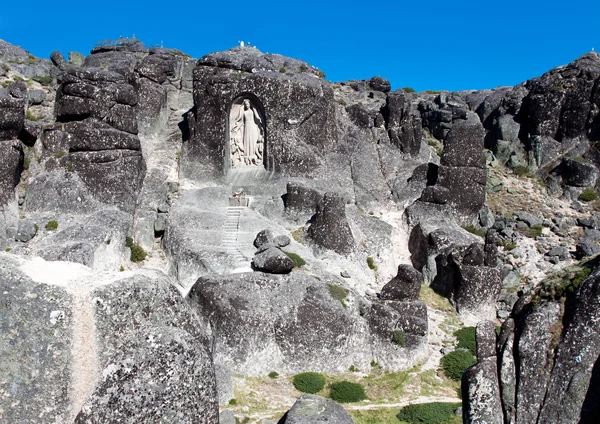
(455, 363)
(338, 293)
(342, 102)
(138, 254)
(309, 382)
(371, 264)
(303, 68)
(474, 230)
(44, 80)
(273, 375)
(52, 225)
(26, 163)
(588, 195)
(282, 69)
(398, 337)
(129, 242)
(297, 259)
(521, 170)
(431, 413)
(59, 154)
(346, 391)
(508, 245)
(466, 339)
(8, 249)
(352, 368)
(233, 402)
(409, 90)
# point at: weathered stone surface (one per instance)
(12, 115)
(403, 122)
(301, 200)
(387, 317)
(312, 409)
(477, 290)
(26, 231)
(485, 334)
(35, 347)
(57, 59)
(572, 394)
(481, 394)
(11, 161)
(263, 237)
(330, 228)
(406, 285)
(588, 243)
(463, 146)
(579, 174)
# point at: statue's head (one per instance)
(246, 104)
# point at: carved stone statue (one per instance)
(246, 135)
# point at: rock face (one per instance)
(298, 109)
(309, 329)
(406, 285)
(329, 228)
(111, 337)
(547, 360)
(311, 409)
(12, 117)
(98, 137)
(403, 123)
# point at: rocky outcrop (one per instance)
(406, 285)
(97, 138)
(12, 118)
(312, 409)
(269, 257)
(403, 122)
(73, 344)
(547, 358)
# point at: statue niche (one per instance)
(246, 134)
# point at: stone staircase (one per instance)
(230, 238)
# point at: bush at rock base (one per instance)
(138, 254)
(466, 339)
(455, 363)
(431, 413)
(346, 391)
(371, 263)
(309, 382)
(588, 195)
(297, 259)
(273, 374)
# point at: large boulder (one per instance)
(406, 285)
(312, 409)
(90, 348)
(403, 122)
(330, 228)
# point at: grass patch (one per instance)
(309, 382)
(342, 102)
(430, 413)
(297, 259)
(338, 293)
(44, 80)
(374, 416)
(31, 117)
(59, 154)
(409, 90)
(455, 363)
(521, 171)
(51, 225)
(474, 230)
(531, 232)
(347, 392)
(564, 282)
(371, 263)
(298, 235)
(381, 386)
(398, 337)
(508, 245)
(129, 242)
(26, 162)
(434, 300)
(588, 195)
(273, 375)
(466, 339)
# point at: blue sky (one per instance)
(451, 45)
